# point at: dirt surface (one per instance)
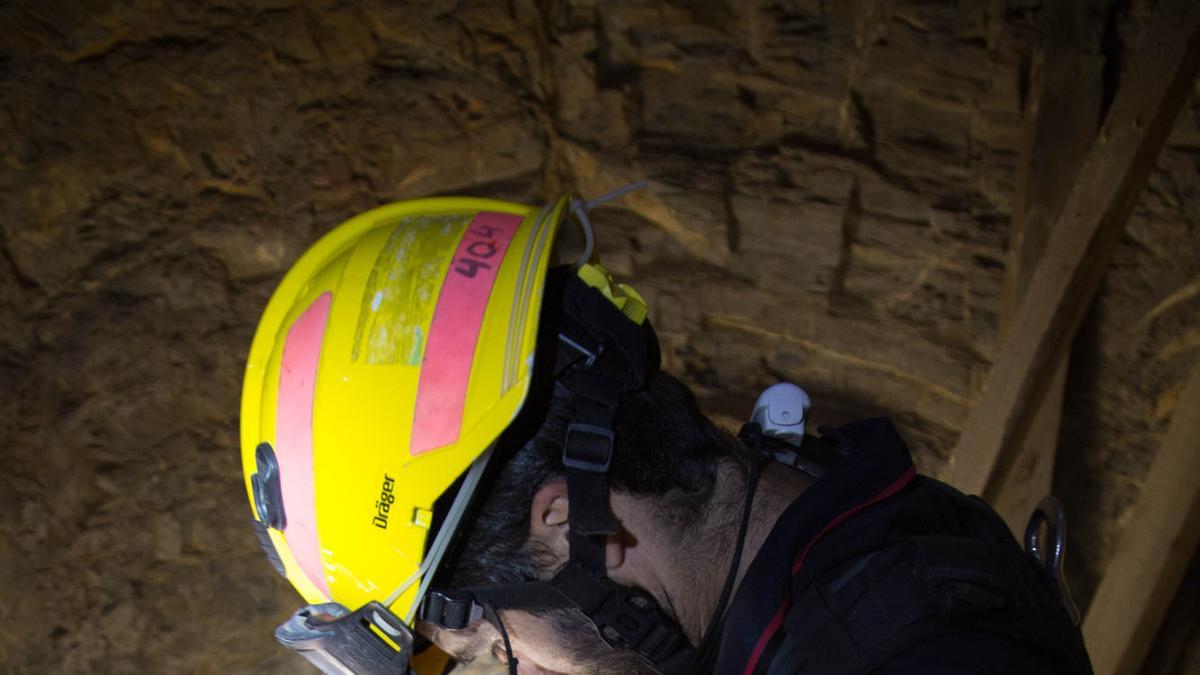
(831, 187)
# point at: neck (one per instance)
(694, 590)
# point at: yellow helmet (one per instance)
(391, 357)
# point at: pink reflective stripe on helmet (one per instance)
(294, 437)
(454, 331)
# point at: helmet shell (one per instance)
(392, 355)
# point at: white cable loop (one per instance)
(580, 208)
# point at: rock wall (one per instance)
(831, 186)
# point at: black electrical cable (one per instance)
(510, 659)
(706, 651)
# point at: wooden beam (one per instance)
(1175, 650)
(1153, 90)
(1062, 117)
(1155, 547)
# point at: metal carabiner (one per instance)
(1051, 551)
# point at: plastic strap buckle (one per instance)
(588, 448)
(448, 611)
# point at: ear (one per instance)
(614, 550)
(549, 518)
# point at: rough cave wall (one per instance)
(831, 188)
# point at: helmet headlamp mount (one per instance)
(367, 641)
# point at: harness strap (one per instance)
(602, 355)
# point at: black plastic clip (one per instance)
(449, 611)
(268, 492)
(588, 448)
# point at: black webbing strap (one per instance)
(626, 617)
(601, 355)
(587, 456)
(455, 610)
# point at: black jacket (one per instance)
(875, 569)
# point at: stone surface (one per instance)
(830, 188)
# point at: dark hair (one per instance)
(664, 448)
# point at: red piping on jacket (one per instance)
(777, 620)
